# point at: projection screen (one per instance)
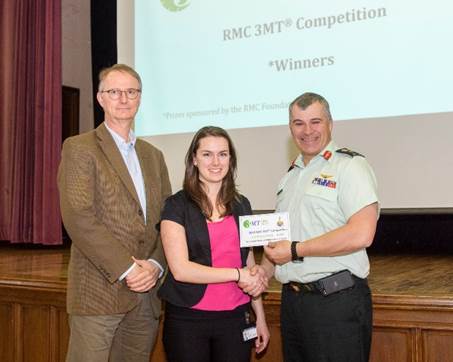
(384, 66)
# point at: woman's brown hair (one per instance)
(192, 184)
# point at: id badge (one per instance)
(249, 332)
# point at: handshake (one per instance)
(253, 281)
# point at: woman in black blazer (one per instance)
(212, 282)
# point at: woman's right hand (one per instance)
(253, 281)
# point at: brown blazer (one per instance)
(102, 215)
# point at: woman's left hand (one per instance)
(263, 335)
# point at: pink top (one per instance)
(225, 253)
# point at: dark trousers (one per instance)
(335, 328)
(204, 336)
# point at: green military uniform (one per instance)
(321, 197)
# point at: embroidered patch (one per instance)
(327, 154)
(321, 181)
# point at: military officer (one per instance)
(331, 196)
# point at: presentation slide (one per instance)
(384, 66)
(238, 63)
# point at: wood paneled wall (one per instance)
(412, 306)
(33, 324)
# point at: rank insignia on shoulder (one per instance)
(347, 151)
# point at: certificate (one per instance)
(256, 230)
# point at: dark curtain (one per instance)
(30, 120)
(103, 45)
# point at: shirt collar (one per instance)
(327, 154)
(120, 142)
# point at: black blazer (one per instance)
(179, 208)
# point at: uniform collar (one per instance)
(327, 154)
(329, 151)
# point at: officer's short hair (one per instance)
(307, 99)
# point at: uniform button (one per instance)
(140, 212)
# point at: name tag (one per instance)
(249, 333)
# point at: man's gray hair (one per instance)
(307, 99)
(118, 68)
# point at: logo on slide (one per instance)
(175, 5)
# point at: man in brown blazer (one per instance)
(112, 188)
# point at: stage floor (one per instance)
(399, 275)
(34, 267)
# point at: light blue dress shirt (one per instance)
(127, 150)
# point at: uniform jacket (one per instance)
(103, 217)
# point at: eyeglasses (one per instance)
(115, 94)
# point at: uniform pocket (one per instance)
(324, 193)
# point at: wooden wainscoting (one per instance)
(412, 306)
(33, 319)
